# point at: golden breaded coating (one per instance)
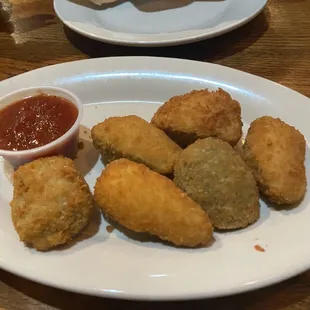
(144, 201)
(134, 138)
(200, 114)
(275, 151)
(216, 177)
(51, 202)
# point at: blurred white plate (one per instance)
(156, 22)
(113, 265)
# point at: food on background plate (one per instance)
(134, 138)
(200, 114)
(275, 151)
(101, 2)
(52, 203)
(35, 121)
(216, 177)
(145, 201)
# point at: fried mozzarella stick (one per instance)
(275, 151)
(200, 114)
(144, 201)
(134, 138)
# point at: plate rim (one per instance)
(195, 37)
(149, 60)
(172, 296)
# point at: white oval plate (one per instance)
(113, 265)
(156, 22)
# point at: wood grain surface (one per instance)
(275, 45)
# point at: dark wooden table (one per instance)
(275, 45)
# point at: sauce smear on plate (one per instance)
(35, 121)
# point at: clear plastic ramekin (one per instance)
(66, 145)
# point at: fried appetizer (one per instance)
(216, 177)
(275, 151)
(145, 201)
(51, 202)
(134, 138)
(200, 114)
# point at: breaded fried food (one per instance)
(216, 177)
(145, 201)
(134, 138)
(200, 114)
(51, 203)
(275, 151)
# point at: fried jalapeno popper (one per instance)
(275, 151)
(144, 201)
(200, 114)
(217, 178)
(51, 204)
(134, 138)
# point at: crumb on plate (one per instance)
(81, 145)
(109, 228)
(259, 248)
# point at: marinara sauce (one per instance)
(35, 121)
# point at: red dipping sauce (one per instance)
(35, 121)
